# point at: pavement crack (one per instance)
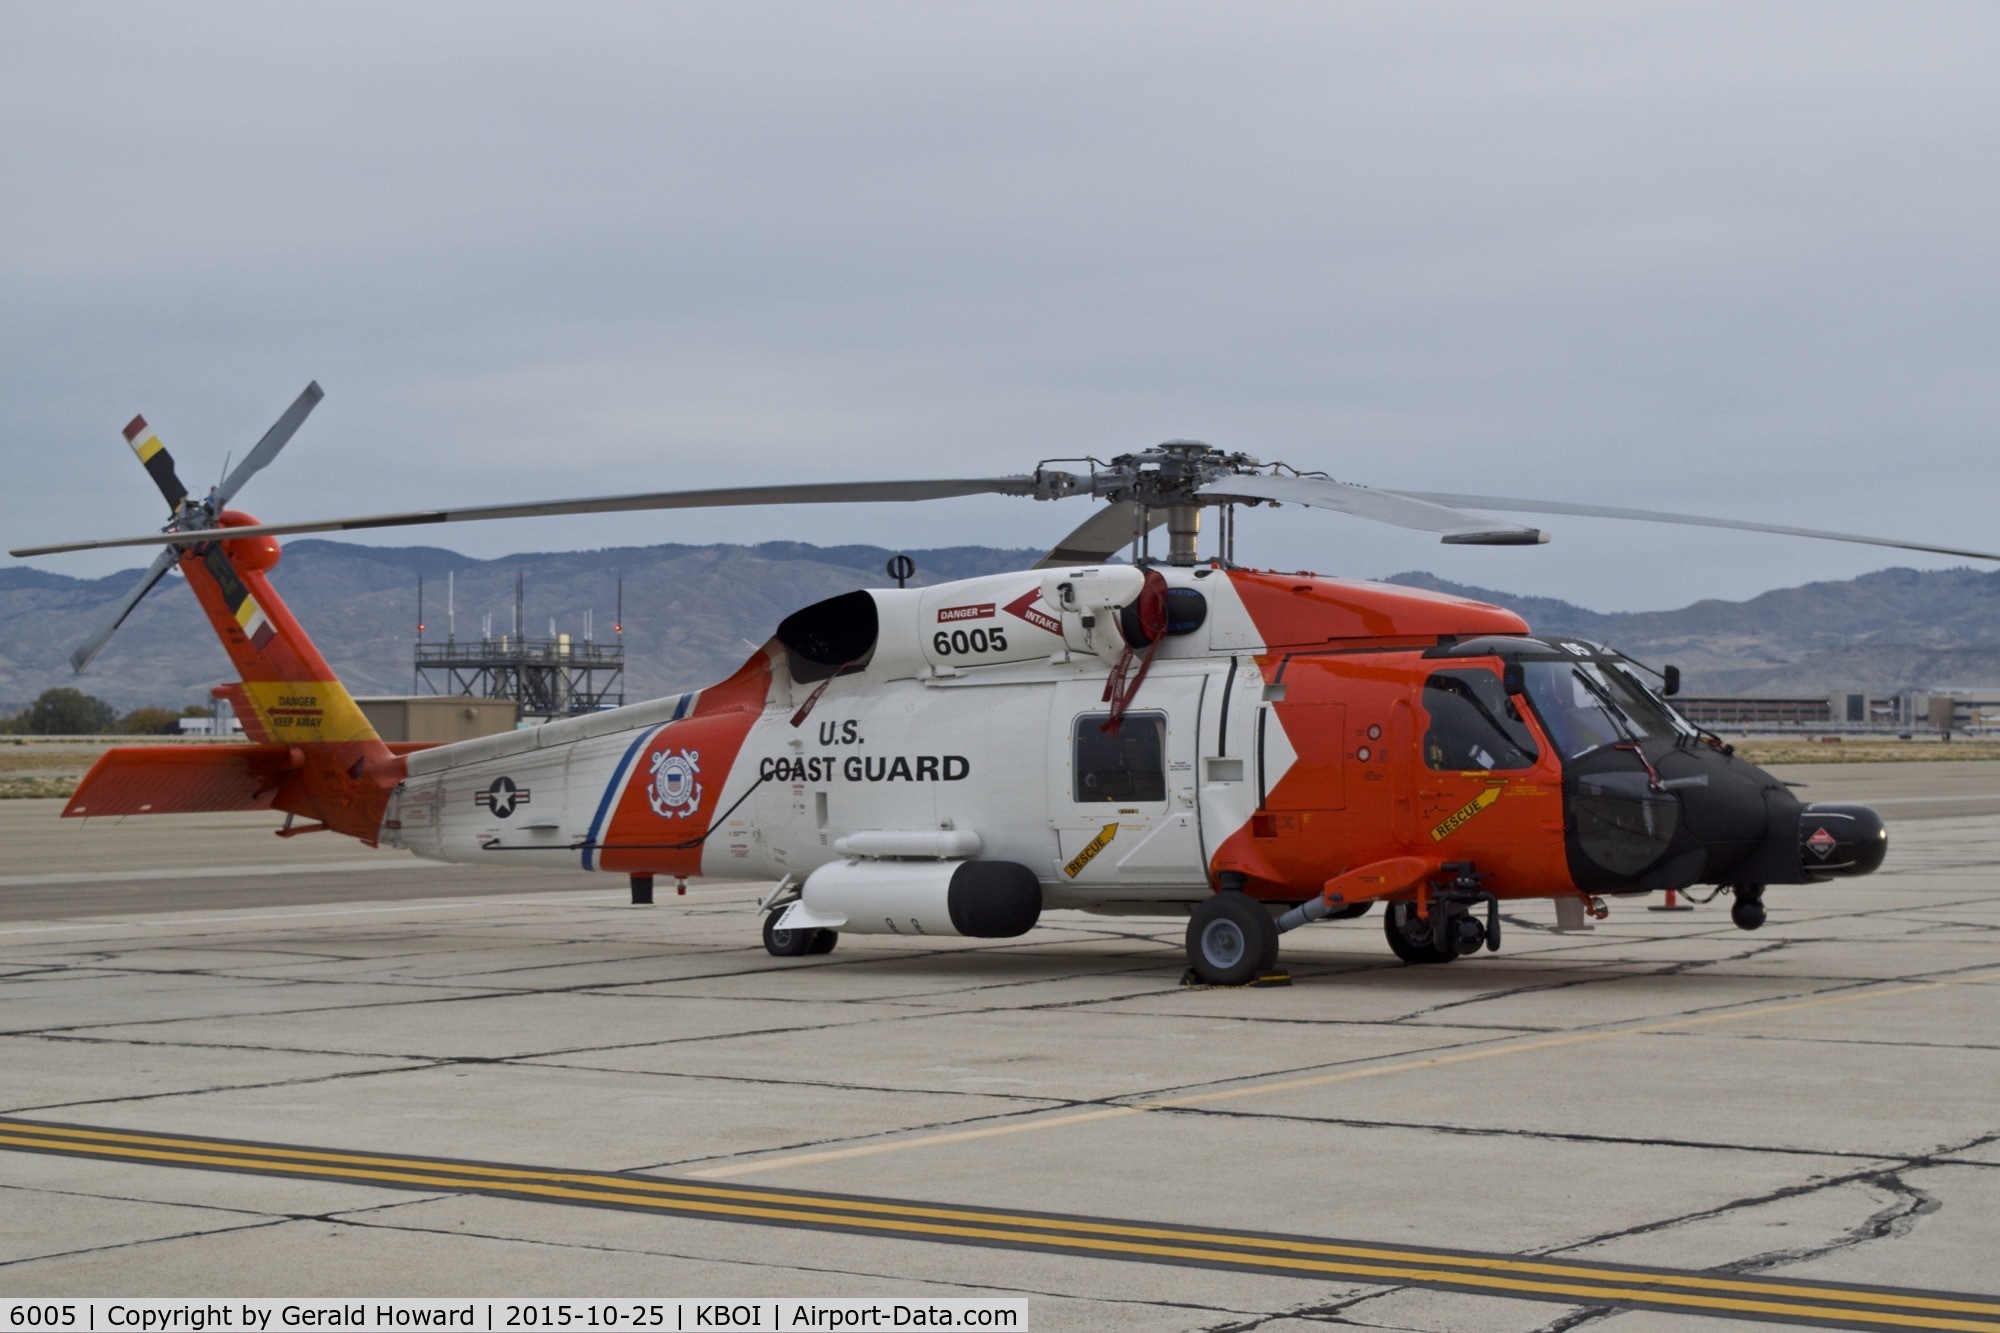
(116, 1246)
(1578, 1318)
(1897, 1218)
(265, 1214)
(1044, 1101)
(1908, 1204)
(1507, 993)
(1691, 965)
(1527, 1134)
(224, 1088)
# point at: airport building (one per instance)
(1947, 709)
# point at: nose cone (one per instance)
(1838, 839)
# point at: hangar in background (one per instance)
(438, 717)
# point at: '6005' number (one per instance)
(960, 642)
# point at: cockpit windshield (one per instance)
(1593, 703)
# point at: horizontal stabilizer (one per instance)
(189, 779)
(181, 779)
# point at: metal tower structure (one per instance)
(557, 676)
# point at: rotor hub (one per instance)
(1166, 476)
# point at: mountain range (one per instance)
(691, 613)
(1890, 630)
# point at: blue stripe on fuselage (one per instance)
(610, 793)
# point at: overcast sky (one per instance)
(1729, 258)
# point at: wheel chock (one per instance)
(1275, 977)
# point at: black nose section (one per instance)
(1664, 818)
(1838, 839)
(1676, 815)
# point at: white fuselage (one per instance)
(998, 736)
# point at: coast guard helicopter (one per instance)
(1177, 736)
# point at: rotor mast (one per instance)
(1164, 480)
(1182, 466)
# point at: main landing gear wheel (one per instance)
(1230, 939)
(823, 941)
(1352, 910)
(789, 943)
(1409, 936)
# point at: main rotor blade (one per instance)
(1100, 536)
(1402, 509)
(274, 439)
(803, 493)
(1693, 520)
(89, 648)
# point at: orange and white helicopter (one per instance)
(1252, 750)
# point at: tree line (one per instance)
(66, 711)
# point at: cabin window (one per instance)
(1128, 766)
(1474, 725)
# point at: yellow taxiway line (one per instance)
(1574, 1282)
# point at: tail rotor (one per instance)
(187, 514)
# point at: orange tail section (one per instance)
(313, 754)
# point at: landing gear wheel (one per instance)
(787, 943)
(1352, 910)
(1267, 927)
(1748, 909)
(823, 941)
(1414, 951)
(1230, 939)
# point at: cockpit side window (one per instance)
(1474, 725)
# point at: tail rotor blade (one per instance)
(89, 649)
(274, 439)
(159, 464)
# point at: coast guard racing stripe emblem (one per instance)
(675, 792)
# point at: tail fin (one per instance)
(316, 755)
(289, 694)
